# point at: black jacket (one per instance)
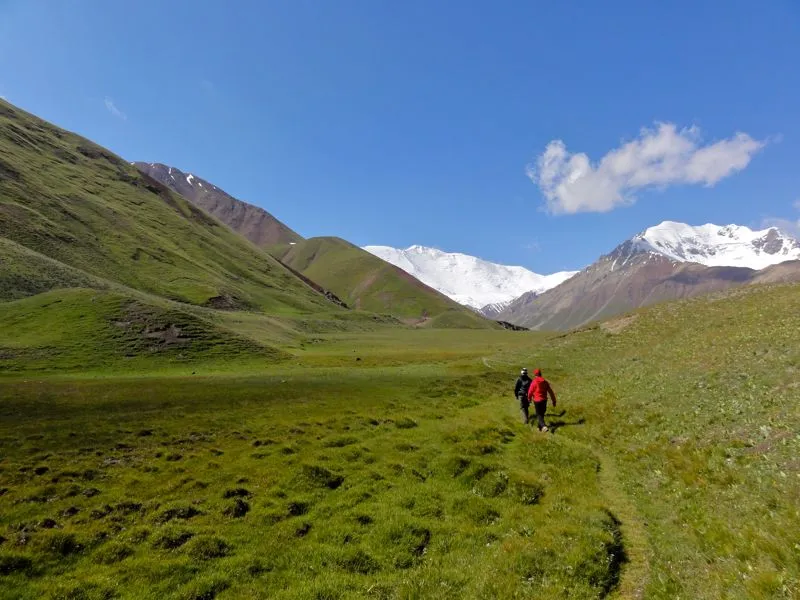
(522, 385)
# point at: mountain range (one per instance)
(74, 215)
(336, 268)
(666, 262)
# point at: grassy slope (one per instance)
(82, 330)
(87, 329)
(672, 471)
(366, 282)
(695, 404)
(76, 203)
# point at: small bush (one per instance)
(405, 423)
(207, 547)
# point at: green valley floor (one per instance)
(393, 464)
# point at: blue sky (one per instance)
(476, 127)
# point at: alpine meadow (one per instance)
(199, 401)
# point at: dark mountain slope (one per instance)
(629, 278)
(254, 223)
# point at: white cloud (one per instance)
(659, 157)
(112, 108)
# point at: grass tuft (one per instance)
(171, 538)
(207, 547)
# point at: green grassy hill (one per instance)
(368, 283)
(91, 330)
(72, 212)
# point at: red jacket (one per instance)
(540, 389)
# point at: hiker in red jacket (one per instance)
(538, 391)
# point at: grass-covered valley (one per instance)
(671, 470)
(186, 415)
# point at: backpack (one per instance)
(523, 388)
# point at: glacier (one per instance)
(468, 280)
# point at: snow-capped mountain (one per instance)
(718, 246)
(467, 279)
(665, 262)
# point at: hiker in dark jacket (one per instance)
(538, 391)
(521, 393)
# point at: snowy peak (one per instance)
(176, 177)
(253, 222)
(717, 246)
(467, 279)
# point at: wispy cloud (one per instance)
(532, 246)
(658, 157)
(787, 225)
(207, 86)
(112, 108)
